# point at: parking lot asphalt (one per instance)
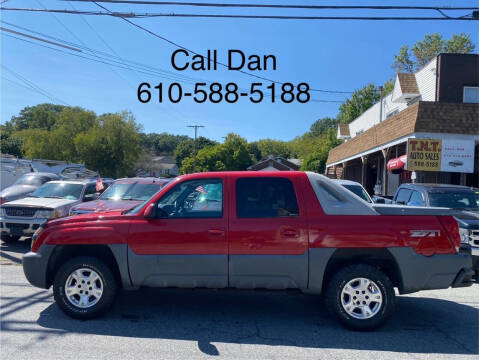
(197, 324)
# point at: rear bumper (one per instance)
(420, 272)
(35, 266)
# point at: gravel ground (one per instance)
(197, 324)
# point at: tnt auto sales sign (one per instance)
(450, 155)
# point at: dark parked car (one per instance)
(463, 199)
(123, 194)
(25, 185)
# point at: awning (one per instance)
(397, 165)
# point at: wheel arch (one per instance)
(108, 254)
(378, 257)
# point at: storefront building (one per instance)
(435, 111)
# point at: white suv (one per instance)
(50, 201)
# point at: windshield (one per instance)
(59, 191)
(34, 180)
(359, 191)
(454, 199)
(134, 191)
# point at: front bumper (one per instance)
(19, 226)
(35, 266)
(475, 262)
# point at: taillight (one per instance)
(452, 229)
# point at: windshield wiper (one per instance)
(54, 197)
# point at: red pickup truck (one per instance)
(249, 230)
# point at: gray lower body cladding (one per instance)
(305, 271)
(268, 271)
(184, 271)
(421, 272)
(35, 266)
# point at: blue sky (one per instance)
(335, 55)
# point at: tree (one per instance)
(185, 148)
(316, 159)
(460, 44)
(403, 61)
(10, 145)
(112, 146)
(429, 47)
(232, 155)
(274, 147)
(359, 102)
(321, 126)
(42, 116)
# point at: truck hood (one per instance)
(41, 202)
(107, 205)
(89, 217)
(16, 191)
(467, 220)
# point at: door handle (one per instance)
(289, 233)
(217, 232)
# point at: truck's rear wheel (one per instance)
(361, 297)
(84, 287)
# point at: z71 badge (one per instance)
(424, 233)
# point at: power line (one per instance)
(239, 16)
(283, 6)
(146, 69)
(39, 39)
(33, 86)
(220, 63)
(190, 82)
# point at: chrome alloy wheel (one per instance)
(361, 298)
(84, 288)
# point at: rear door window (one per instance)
(265, 197)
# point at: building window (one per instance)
(471, 94)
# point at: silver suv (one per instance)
(50, 201)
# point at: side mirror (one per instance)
(150, 211)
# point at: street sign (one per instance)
(424, 154)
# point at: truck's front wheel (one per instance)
(361, 297)
(84, 287)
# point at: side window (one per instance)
(265, 197)
(416, 199)
(403, 196)
(193, 199)
(91, 193)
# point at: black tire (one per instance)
(108, 282)
(342, 278)
(10, 238)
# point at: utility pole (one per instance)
(196, 143)
(380, 103)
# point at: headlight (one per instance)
(36, 234)
(464, 234)
(44, 214)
